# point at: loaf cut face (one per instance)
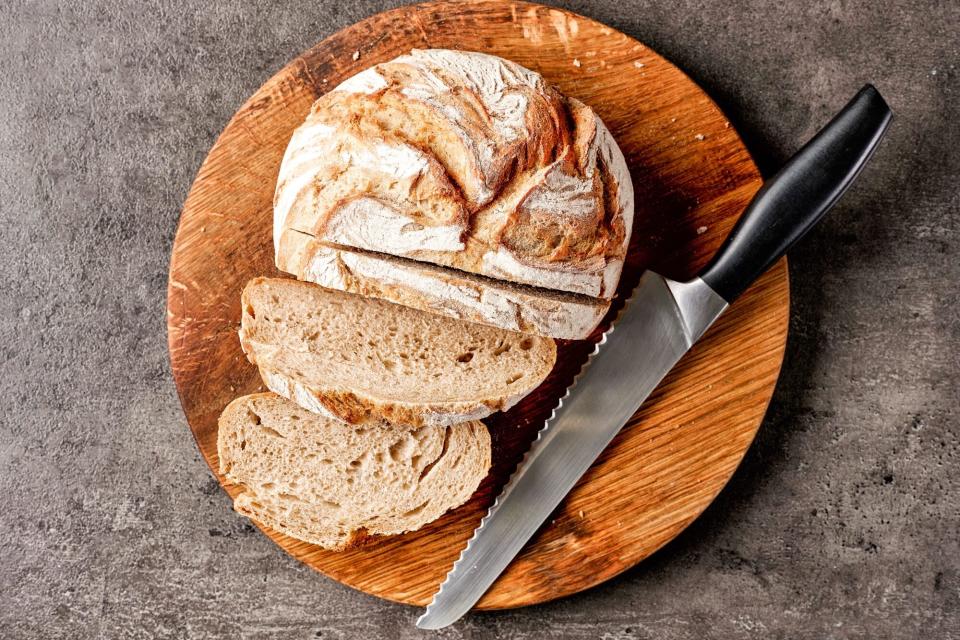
(332, 484)
(464, 160)
(365, 360)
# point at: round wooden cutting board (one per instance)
(692, 177)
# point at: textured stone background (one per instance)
(842, 522)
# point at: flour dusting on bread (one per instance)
(530, 182)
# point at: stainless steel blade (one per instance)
(659, 324)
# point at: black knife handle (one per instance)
(788, 205)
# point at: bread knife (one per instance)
(660, 322)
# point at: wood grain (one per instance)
(692, 177)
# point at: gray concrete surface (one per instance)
(841, 523)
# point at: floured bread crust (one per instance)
(463, 160)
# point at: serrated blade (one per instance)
(659, 324)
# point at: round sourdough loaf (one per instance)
(464, 160)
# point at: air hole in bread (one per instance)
(243, 445)
(400, 449)
(465, 357)
(275, 298)
(272, 432)
(526, 344)
(254, 417)
(443, 452)
(416, 510)
(287, 497)
(251, 312)
(389, 364)
(331, 504)
(514, 378)
(355, 464)
(502, 348)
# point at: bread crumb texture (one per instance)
(365, 360)
(335, 485)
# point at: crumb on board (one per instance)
(581, 514)
(356, 54)
(673, 119)
(701, 231)
(638, 64)
(700, 136)
(576, 63)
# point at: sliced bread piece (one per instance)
(458, 294)
(364, 360)
(332, 484)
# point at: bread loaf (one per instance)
(364, 360)
(457, 294)
(463, 160)
(332, 484)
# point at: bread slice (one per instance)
(332, 484)
(364, 360)
(458, 294)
